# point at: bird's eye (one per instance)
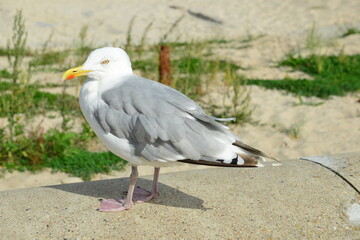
(105, 61)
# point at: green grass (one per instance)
(218, 41)
(351, 31)
(38, 102)
(4, 86)
(191, 70)
(5, 52)
(48, 58)
(51, 101)
(313, 38)
(5, 74)
(145, 65)
(84, 164)
(333, 75)
(190, 65)
(61, 151)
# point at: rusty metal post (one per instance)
(165, 65)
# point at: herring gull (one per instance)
(148, 123)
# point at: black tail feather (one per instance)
(216, 164)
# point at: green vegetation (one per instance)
(293, 131)
(333, 75)
(351, 31)
(5, 74)
(5, 86)
(190, 65)
(84, 164)
(10, 103)
(313, 38)
(48, 58)
(189, 70)
(16, 47)
(234, 89)
(37, 102)
(61, 151)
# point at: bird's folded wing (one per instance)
(161, 123)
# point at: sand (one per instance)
(331, 127)
(108, 22)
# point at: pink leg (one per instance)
(117, 205)
(142, 195)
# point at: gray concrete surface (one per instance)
(346, 164)
(298, 200)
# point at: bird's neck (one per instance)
(89, 98)
(107, 83)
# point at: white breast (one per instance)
(89, 101)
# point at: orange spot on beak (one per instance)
(70, 77)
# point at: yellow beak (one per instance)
(75, 72)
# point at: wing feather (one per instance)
(160, 122)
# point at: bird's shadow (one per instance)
(115, 188)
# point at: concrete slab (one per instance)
(345, 164)
(298, 200)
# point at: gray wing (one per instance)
(161, 123)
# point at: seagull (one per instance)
(148, 123)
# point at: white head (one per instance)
(106, 63)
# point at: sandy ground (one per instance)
(108, 22)
(331, 127)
